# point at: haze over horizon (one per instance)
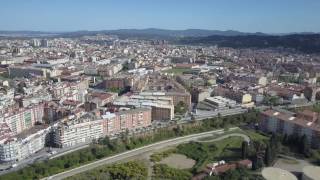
(271, 16)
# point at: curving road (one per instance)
(245, 137)
(135, 152)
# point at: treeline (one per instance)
(304, 43)
(128, 170)
(163, 171)
(261, 153)
(265, 154)
(105, 147)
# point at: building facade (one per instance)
(303, 123)
(24, 118)
(89, 127)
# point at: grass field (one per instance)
(227, 149)
(177, 70)
(254, 136)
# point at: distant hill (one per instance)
(135, 32)
(183, 33)
(307, 43)
(26, 33)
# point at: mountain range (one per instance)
(307, 42)
(138, 32)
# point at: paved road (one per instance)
(245, 137)
(135, 152)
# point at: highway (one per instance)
(135, 152)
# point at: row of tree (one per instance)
(264, 154)
(127, 170)
(261, 153)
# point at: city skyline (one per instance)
(170, 89)
(245, 16)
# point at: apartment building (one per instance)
(18, 147)
(78, 130)
(93, 126)
(23, 118)
(301, 123)
(130, 119)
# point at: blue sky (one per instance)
(270, 16)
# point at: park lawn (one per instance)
(204, 153)
(177, 70)
(228, 149)
(254, 136)
(158, 156)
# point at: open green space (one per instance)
(127, 170)
(228, 149)
(203, 153)
(255, 136)
(163, 171)
(158, 156)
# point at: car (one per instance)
(53, 152)
(13, 165)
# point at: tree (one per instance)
(268, 156)
(257, 162)
(305, 146)
(180, 108)
(271, 100)
(244, 149)
(285, 139)
(274, 145)
(177, 130)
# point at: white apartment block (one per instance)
(21, 146)
(24, 118)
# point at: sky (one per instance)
(268, 16)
